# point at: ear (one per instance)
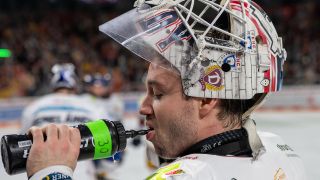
(206, 106)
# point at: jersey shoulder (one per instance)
(275, 144)
(187, 167)
(38, 102)
(279, 160)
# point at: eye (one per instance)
(157, 96)
(156, 93)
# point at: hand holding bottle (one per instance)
(61, 147)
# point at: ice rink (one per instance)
(301, 130)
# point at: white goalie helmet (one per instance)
(227, 49)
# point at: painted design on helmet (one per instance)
(275, 53)
(250, 42)
(196, 35)
(167, 19)
(232, 60)
(212, 79)
(265, 82)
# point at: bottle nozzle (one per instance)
(133, 133)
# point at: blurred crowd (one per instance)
(43, 33)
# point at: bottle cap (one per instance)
(121, 135)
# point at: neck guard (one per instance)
(233, 143)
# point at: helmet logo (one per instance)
(212, 79)
(169, 22)
(251, 44)
(232, 60)
(265, 82)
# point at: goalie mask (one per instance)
(227, 49)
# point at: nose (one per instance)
(146, 108)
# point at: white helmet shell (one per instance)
(226, 49)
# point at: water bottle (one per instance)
(99, 139)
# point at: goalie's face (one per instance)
(172, 117)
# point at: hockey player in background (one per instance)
(63, 106)
(99, 90)
(212, 63)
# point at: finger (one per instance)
(63, 132)
(37, 135)
(75, 137)
(51, 131)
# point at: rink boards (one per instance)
(294, 115)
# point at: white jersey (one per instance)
(279, 162)
(113, 110)
(66, 109)
(116, 105)
(113, 106)
(59, 108)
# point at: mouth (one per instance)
(151, 132)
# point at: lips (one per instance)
(151, 132)
(150, 135)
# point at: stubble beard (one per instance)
(182, 133)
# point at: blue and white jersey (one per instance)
(59, 108)
(63, 109)
(113, 107)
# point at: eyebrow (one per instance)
(154, 83)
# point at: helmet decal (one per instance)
(232, 60)
(211, 79)
(166, 19)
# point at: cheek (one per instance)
(162, 112)
(166, 109)
(173, 112)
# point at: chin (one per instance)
(164, 154)
(168, 157)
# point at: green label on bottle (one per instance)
(102, 139)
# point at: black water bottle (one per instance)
(99, 139)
